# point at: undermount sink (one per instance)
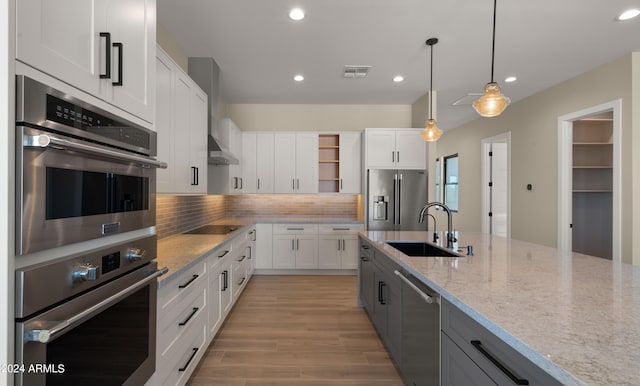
(420, 248)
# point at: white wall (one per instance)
(6, 188)
(533, 124)
(313, 117)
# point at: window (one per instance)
(451, 182)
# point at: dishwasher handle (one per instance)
(427, 298)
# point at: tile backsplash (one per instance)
(177, 214)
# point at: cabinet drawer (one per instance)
(486, 350)
(219, 255)
(173, 292)
(177, 364)
(295, 229)
(458, 369)
(339, 228)
(179, 319)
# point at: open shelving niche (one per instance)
(329, 163)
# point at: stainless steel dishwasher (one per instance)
(420, 332)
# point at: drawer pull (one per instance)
(341, 229)
(223, 254)
(295, 229)
(518, 381)
(241, 281)
(364, 258)
(364, 246)
(242, 258)
(185, 285)
(195, 310)
(193, 355)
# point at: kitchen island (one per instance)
(576, 317)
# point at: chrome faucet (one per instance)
(450, 236)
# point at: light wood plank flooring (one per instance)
(297, 330)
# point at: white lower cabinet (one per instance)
(193, 306)
(295, 246)
(338, 246)
(181, 325)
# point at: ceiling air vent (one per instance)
(356, 71)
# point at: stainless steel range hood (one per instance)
(219, 155)
(205, 72)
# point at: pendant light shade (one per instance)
(492, 102)
(431, 131)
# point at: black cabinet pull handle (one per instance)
(107, 58)
(242, 281)
(223, 254)
(119, 46)
(193, 312)
(518, 381)
(225, 281)
(364, 258)
(381, 285)
(194, 176)
(364, 246)
(242, 258)
(183, 368)
(185, 285)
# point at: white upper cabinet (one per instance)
(182, 130)
(395, 149)
(350, 162)
(257, 162)
(296, 162)
(103, 47)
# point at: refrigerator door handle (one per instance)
(399, 198)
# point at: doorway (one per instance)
(589, 180)
(496, 193)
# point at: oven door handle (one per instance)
(46, 140)
(46, 335)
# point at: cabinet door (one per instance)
(381, 149)
(265, 153)
(349, 252)
(164, 122)
(410, 149)
(306, 163)
(198, 140)
(350, 161)
(216, 281)
(181, 140)
(248, 160)
(306, 251)
(367, 283)
(284, 251)
(457, 368)
(284, 163)
(132, 23)
(61, 38)
(329, 251)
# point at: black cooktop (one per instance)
(213, 230)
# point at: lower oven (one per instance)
(81, 172)
(89, 319)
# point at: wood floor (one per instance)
(297, 330)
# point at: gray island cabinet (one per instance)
(513, 313)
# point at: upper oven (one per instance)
(81, 172)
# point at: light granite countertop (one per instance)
(180, 252)
(575, 316)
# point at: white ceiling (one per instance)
(259, 49)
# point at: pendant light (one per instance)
(492, 103)
(431, 132)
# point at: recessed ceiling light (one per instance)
(629, 14)
(298, 78)
(398, 78)
(510, 79)
(296, 14)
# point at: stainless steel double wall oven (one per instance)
(82, 173)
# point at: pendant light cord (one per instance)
(493, 44)
(431, 87)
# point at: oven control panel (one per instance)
(79, 272)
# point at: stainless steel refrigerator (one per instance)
(395, 198)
